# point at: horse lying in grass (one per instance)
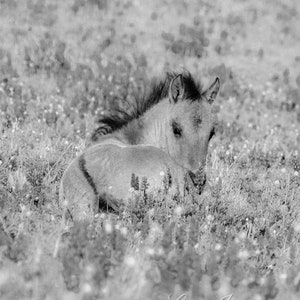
(166, 132)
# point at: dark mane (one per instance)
(158, 91)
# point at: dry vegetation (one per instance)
(62, 63)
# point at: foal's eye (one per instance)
(177, 130)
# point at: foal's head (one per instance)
(191, 121)
(182, 110)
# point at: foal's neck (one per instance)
(149, 129)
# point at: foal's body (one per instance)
(110, 167)
(167, 132)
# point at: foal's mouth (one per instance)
(198, 179)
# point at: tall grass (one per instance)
(65, 63)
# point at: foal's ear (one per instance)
(176, 89)
(211, 93)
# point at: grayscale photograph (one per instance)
(149, 150)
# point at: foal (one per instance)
(168, 131)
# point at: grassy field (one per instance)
(63, 63)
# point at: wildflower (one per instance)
(86, 288)
(297, 227)
(243, 254)
(296, 173)
(276, 182)
(242, 235)
(209, 218)
(102, 216)
(178, 210)
(23, 207)
(162, 173)
(151, 212)
(108, 228)
(297, 279)
(105, 290)
(258, 297)
(150, 251)
(124, 231)
(218, 247)
(262, 281)
(160, 251)
(283, 276)
(130, 261)
(155, 231)
(89, 269)
(225, 290)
